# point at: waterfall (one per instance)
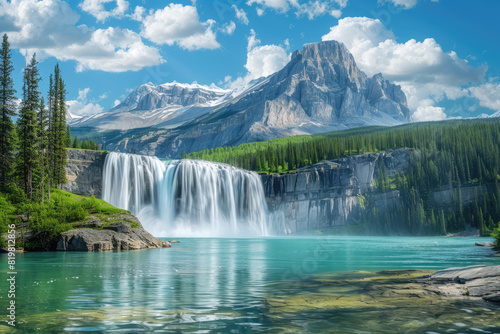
(186, 197)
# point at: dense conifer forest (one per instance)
(452, 155)
(34, 139)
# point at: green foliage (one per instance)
(86, 144)
(7, 110)
(453, 156)
(47, 221)
(28, 155)
(496, 235)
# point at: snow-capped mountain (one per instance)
(321, 89)
(165, 105)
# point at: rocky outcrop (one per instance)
(475, 281)
(84, 172)
(331, 193)
(117, 236)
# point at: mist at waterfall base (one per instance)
(186, 197)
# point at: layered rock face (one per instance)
(84, 172)
(331, 193)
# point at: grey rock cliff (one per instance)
(84, 172)
(331, 193)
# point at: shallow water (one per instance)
(223, 285)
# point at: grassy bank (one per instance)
(46, 221)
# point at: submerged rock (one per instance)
(117, 236)
(485, 244)
(474, 281)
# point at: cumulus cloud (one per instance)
(138, 14)
(428, 113)
(488, 95)
(81, 107)
(262, 60)
(423, 69)
(83, 94)
(241, 15)
(311, 9)
(404, 4)
(96, 8)
(228, 28)
(49, 28)
(181, 25)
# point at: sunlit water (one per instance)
(210, 285)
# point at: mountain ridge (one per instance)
(321, 89)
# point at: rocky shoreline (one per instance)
(479, 282)
(117, 236)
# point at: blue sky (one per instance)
(444, 53)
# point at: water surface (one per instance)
(216, 285)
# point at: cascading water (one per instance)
(186, 197)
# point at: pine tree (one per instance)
(28, 128)
(60, 152)
(442, 223)
(50, 134)
(7, 110)
(76, 143)
(42, 145)
(68, 136)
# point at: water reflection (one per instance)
(209, 284)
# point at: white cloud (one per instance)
(138, 14)
(83, 93)
(110, 50)
(79, 108)
(428, 113)
(48, 27)
(311, 8)
(117, 102)
(228, 28)
(96, 8)
(279, 5)
(262, 60)
(317, 8)
(488, 95)
(179, 24)
(241, 15)
(405, 4)
(423, 69)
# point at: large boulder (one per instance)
(117, 236)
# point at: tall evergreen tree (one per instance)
(7, 110)
(28, 128)
(50, 133)
(42, 146)
(58, 132)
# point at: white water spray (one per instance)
(186, 197)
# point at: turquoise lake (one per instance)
(221, 285)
